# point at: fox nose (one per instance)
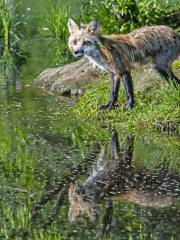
(80, 190)
(79, 52)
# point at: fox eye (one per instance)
(74, 41)
(87, 43)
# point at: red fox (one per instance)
(117, 54)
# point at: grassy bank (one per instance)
(157, 107)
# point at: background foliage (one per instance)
(118, 16)
(125, 15)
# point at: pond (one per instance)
(65, 178)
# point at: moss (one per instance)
(176, 65)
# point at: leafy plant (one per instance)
(125, 15)
(57, 19)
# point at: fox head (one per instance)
(80, 206)
(83, 38)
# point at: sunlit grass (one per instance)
(17, 224)
(158, 106)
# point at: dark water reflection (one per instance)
(117, 199)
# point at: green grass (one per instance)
(5, 22)
(58, 18)
(159, 106)
(17, 224)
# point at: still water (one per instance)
(65, 178)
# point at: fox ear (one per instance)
(72, 25)
(93, 27)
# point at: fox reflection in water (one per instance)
(117, 179)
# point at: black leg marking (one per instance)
(113, 93)
(163, 73)
(128, 85)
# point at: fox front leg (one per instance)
(113, 93)
(128, 85)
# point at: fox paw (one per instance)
(108, 106)
(129, 106)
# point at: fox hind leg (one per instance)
(163, 73)
(167, 74)
(163, 67)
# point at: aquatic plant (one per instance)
(5, 22)
(59, 51)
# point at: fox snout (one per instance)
(79, 52)
(80, 190)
